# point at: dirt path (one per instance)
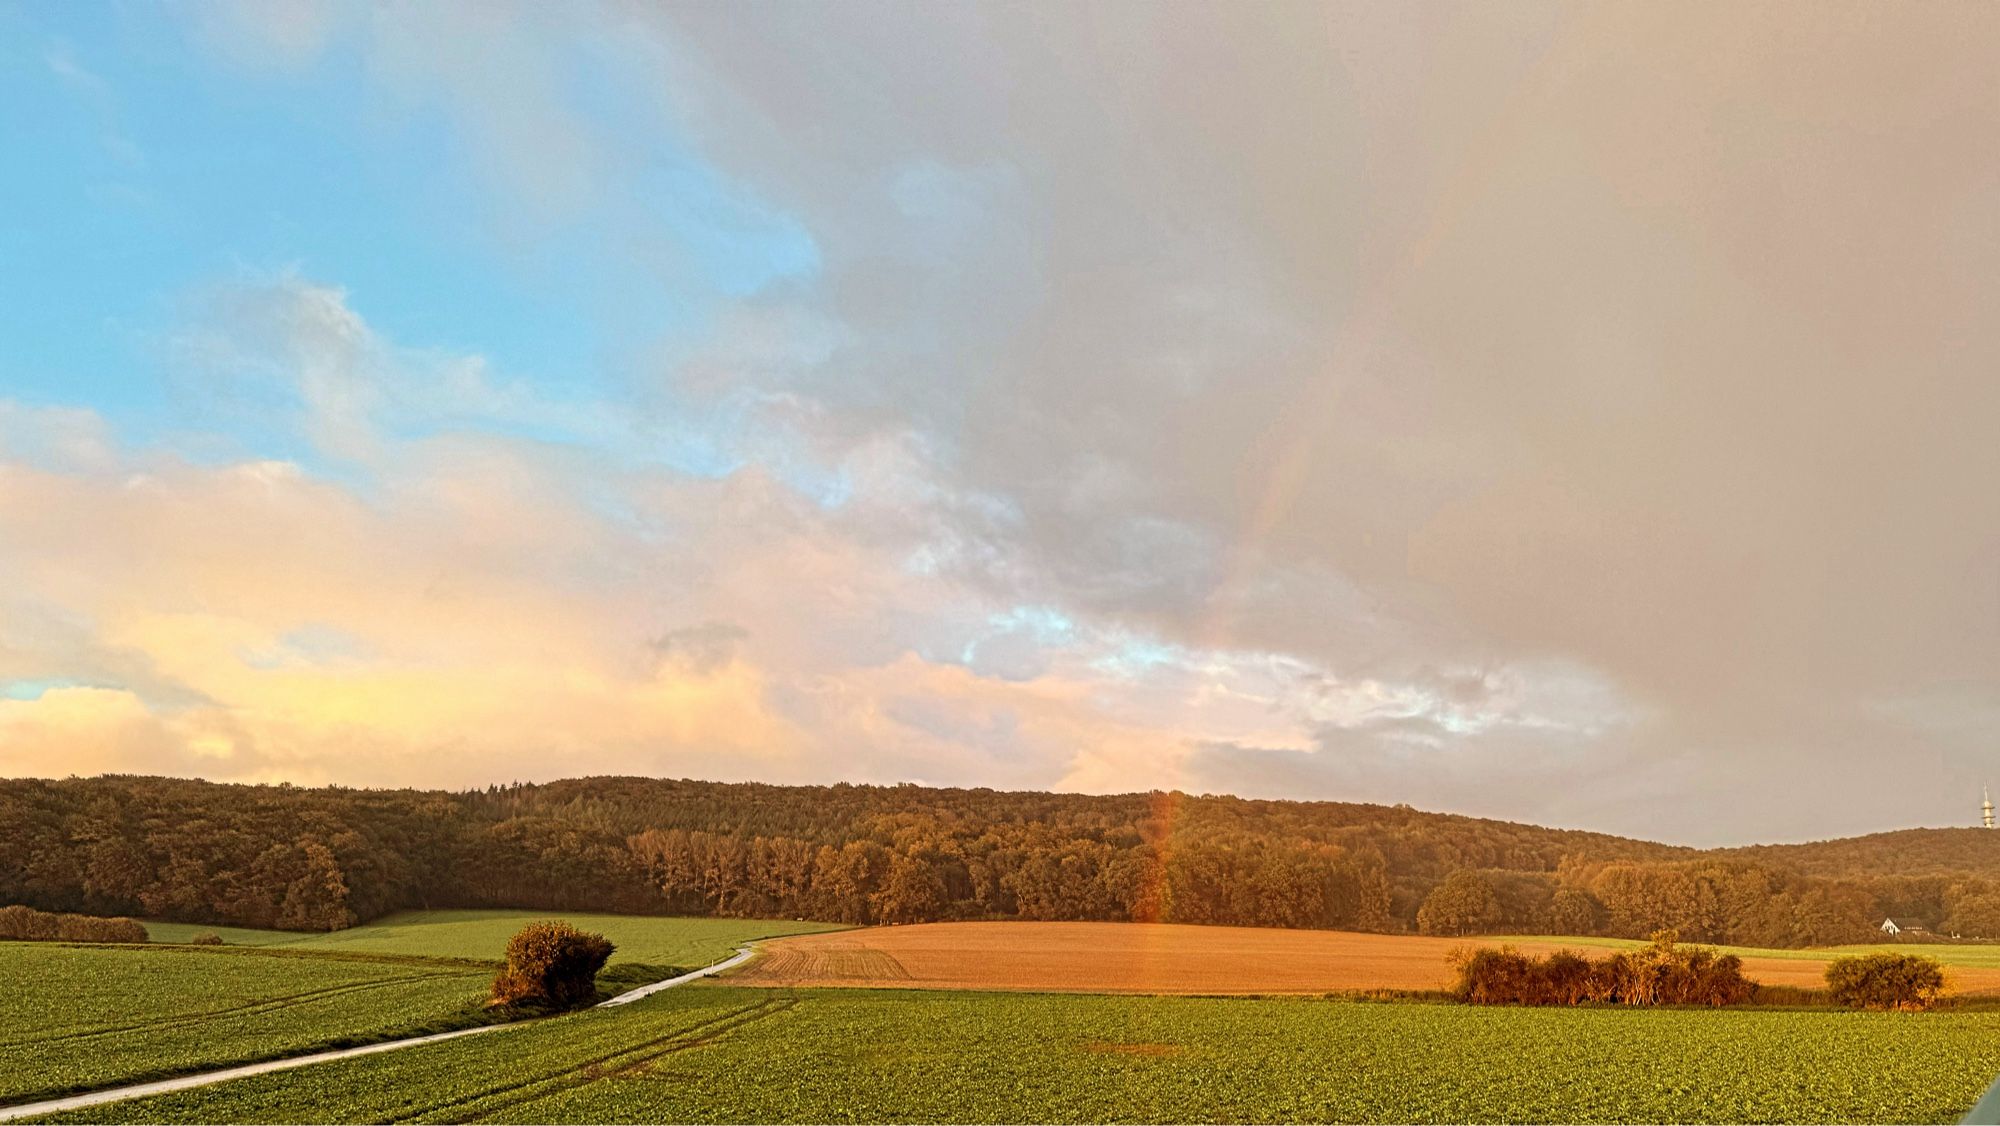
(265, 1067)
(203, 1079)
(742, 955)
(1161, 958)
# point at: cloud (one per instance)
(700, 648)
(1448, 336)
(442, 605)
(1567, 412)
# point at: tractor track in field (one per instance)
(621, 1062)
(252, 1008)
(82, 1100)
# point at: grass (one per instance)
(234, 936)
(86, 1017)
(81, 1017)
(714, 1053)
(483, 934)
(657, 941)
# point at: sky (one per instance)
(1577, 414)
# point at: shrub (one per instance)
(1495, 977)
(205, 938)
(1660, 974)
(551, 963)
(27, 924)
(1885, 981)
(1566, 975)
(90, 928)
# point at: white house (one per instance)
(1889, 927)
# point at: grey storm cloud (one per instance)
(1643, 337)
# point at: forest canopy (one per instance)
(325, 858)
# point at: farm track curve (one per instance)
(263, 1067)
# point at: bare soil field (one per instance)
(1163, 958)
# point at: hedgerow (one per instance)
(25, 924)
(1661, 974)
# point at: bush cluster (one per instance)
(1660, 974)
(25, 924)
(1885, 981)
(205, 938)
(551, 963)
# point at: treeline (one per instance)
(295, 858)
(25, 924)
(1727, 901)
(1909, 852)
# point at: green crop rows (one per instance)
(74, 1018)
(82, 1017)
(709, 1053)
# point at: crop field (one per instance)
(1165, 958)
(483, 935)
(79, 1017)
(709, 1053)
(84, 1017)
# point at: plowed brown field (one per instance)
(1158, 958)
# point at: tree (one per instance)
(316, 900)
(845, 880)
(1885, 981)
(912, 892)
(551, 963)
(1574, 911)
(1642, 899)
(1464, 903)
(1372, 893)
(1974, 914)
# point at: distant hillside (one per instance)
(1903, 852)
(324, 858)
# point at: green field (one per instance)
(233, 936)
(79, 1017)
(84, 1017)
(711, 1053)
(686, 943)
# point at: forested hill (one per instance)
(325, 858)
(1909, 852)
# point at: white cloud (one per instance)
(483, 606)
